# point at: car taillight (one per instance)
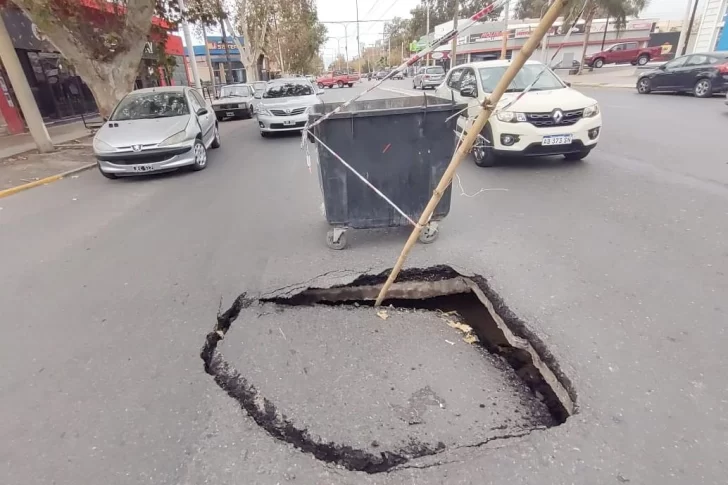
(723, 68)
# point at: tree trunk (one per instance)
(587, 29)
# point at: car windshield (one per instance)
(288, 89)
(229, 91)
(489, 77)
(435, 70)
(259, 86)
(149, 105)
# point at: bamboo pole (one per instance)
(490, 103)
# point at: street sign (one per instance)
(437, 55)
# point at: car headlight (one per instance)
(591, 111)
(511, 116)
(102, 146)
(241, 105)
(264, 111)
(174, 139)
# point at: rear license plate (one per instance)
(556, 140)
(289, 123)
(229, 113)
(142, 168)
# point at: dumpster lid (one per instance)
(388, 106)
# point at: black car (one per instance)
(701, 74)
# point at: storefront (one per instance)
(59, 92)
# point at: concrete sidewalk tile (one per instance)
(29, 170)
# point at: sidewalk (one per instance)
(608, 78)
(12, 145)
(22, 167)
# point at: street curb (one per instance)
(602, 85)
(44, 181)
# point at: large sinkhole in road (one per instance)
(442, 365)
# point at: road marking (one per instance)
(44, 181)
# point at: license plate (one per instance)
(229, 113)
(289, 123)
(556, 140)
(142, 168)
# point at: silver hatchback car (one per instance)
(156, 130)
(284, 105)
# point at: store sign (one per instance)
(220, 45)
(523, 33)
(640, 25)
(486, 37)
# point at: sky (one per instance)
(343, 10)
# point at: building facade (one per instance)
(710, 29)
(224, 72)
(59, 92)
(484, 41)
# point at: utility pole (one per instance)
(190, 48)
(504, 48)
(23, 93)
(389, 49)
(358, 42)
(427, 3)
(280, 50)
(686, 21)
(346, 46)
(690, 28)
(453, 49)
(208, 59)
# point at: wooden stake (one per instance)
(490, 103)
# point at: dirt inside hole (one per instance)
(438, 291)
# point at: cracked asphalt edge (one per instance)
(265, 414)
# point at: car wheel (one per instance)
(483, 150)
(598, 63)
(642, 60)
(575, 157)
(644, 86)
(200, 154)
(414, 86)
(703, 88)
(251, 113)
(351, 85)
(340, 84)
(216, 140)
(110, 176)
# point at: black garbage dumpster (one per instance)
(401, 145)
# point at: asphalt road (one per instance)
(617, 263)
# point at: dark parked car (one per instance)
(382, 75)
(701, 74)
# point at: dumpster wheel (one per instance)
(429, 233)
(336, 238)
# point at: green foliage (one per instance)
(296, 34)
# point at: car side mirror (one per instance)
(662, 67)
(468, 91)
(256, 96)
(201, 111)
(568, 84)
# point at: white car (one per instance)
(284, 105)
(550, 119)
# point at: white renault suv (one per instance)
(550, 119)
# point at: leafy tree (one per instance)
(104, 42)
(296, 35)
(530, 9)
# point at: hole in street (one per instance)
(442, 365)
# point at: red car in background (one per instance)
(337, 78)
(626, 52)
